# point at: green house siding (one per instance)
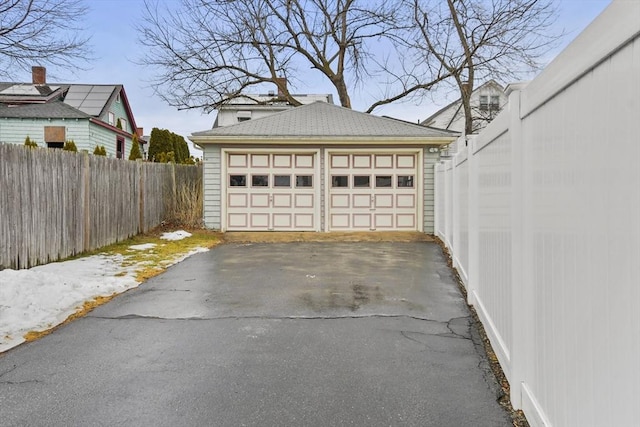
(85, 134)
(212, 186)
(430, 160)
(14, 131)
(119, 112)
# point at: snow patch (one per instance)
(175, 235)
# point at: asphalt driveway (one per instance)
(283, 334)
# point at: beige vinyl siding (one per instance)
(212, 186)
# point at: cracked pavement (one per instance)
(287, 334)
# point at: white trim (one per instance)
(224, 151)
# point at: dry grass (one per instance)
(186, 206)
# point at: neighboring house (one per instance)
(52, 113)
(487, 101)
(251, 107)
(320, 167)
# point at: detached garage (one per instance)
(320, 167)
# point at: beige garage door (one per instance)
(272, 191)
(373, 191)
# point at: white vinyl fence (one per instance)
(541, 212)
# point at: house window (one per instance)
(54, 136)
(243, 116)
(489, 103)
(484, 102)
(120, 147)
(123, 123)
(112, 119)
(118, 97)
(495, 103)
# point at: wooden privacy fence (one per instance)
(55, 204)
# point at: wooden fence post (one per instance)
(86, 195)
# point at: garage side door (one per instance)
(373, 191)
(272, 191)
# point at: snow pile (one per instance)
(176, 235)
(42, 297)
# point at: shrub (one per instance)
(100, 151)
(70, 146)
(28, 142)
(135, 153)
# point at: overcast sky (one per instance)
(112, 24)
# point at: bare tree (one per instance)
(206, 52)
(42, 32)
(475, 40)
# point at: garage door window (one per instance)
(237, 180)
(362, 181)
(383, 181)
(304, 181)
(339, 181)
(405, 181)
(259, 180)
(282, 180)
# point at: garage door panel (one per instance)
(383, 220)
(304, 200)
(340, 220)
(259, 160)
(361, 200)
(304, 161)
(282, 200)
(339, 200)
(281, 220)
(282, 160)
(404, 161)
(238, 200)
(362, 220)
(272, 191)
(384, 161)
(238, 220)
(303, 221)
(375, 191)
(406, 201)
(259, 200)
(406, 221)
(384, 201)
(259, 220)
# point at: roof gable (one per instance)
(321, 119)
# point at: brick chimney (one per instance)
(139, 132)
(39, 75)
(281, 83)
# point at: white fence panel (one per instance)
(461, 215)
(548, 198)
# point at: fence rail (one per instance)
(541, 213)
(55, 204)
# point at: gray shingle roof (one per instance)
(49, 110)
(321, 119)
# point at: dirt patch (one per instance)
(309, 236)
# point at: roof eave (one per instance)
(201, 140)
